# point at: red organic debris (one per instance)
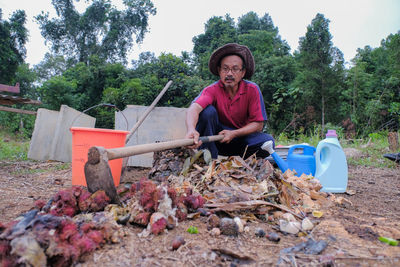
(181, 212)
(158, 223)
(193, 202)
(142, 218)
(148, 198)
(149, 195)
(39, 204)
(50, 229)
(67, 230)
(74, 200)
(62, 240)
(97, 201)
(64, 203)
(173, 195)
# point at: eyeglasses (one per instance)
(234, 70)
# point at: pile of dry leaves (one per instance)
(251, 189)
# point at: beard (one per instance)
(229, 82)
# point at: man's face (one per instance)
(231, 71)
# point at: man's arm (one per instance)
(252, 127)
(192, 117)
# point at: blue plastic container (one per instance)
(303, 162)
(331, 164)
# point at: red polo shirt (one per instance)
(245, 107)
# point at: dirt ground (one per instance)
(351, 229)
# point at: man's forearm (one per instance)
(192, 116)
(250, 128)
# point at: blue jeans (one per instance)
(209, 124)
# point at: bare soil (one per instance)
(351, 229)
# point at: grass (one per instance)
(13, 147)
(58, 167)
(373, 150)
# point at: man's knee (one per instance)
(258, 139)
(208, 113)
(268, 137)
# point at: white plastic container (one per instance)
(331, 164)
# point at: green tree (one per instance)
(101, 30)
(156, 72)
(13, 36)
(52, 65)
(248, 22)
(56, 91)
(26, 78)
(373, 87)
(218, 31)
(275, 67)
(320, 74)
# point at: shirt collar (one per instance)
(242, 85)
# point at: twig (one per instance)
(246, 205)
(194, 265)
(245, 150)
(364, 258)
(170, 258)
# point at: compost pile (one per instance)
(182, 185)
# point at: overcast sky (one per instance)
(353, 23)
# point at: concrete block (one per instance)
(61, 149)
(162, 124)
(43, 133)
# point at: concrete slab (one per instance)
(43, 133)
(61, 149)
(162, 124)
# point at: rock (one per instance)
(177, 242)
(239, 223)
(215, 232)
(306, 224)
(277, 215)
(213, 221)
(289, 217)
(260, 232)
(272, 236)
(289, 227)
(228, 227)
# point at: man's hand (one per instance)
(228, 135)
(193, 134)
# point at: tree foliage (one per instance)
(372, 94)
(101, 30)
(320, 73)
(13, 36)
(218, 31)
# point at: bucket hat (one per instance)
(232, 49)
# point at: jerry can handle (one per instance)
(307, 150)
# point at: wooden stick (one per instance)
(23, 111)
(148, 110)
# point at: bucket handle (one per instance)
(98, 105)
(307, 150)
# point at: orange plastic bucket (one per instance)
(84, 138)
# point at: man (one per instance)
(232, 107)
